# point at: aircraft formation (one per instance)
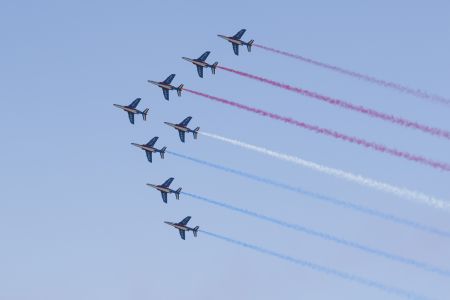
(182, 127)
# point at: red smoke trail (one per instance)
(337, 135)
(347, 105)
(392, 85)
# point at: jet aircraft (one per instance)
(132, 110)
(149, 149)
(166, 86)
(200, 63)
(182, 227)
(182, 128)
(164, 189)
(236, 41)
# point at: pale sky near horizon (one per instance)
(76, 218)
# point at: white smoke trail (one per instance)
(385, 187)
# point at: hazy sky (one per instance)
(76, 218)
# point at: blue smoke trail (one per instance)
(322, 269)
(326, 236)
(337, 202)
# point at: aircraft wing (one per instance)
(235, 48)
(185, 121)
(169, 79)
(166, 94)
(149, 155)
(131, 117)
(204, 56)
(152, 142)
(167, 182)
(200, 71)
(185, 220)
(181, 133)
(182, 234)
(239, 34)
(164, 197)
(135, 103)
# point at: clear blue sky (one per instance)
(78, 222)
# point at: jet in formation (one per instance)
(164, 189)
(182, 128)
(182, 227)
(236, 41)
(166, 86)
(149, 149)
(132, 110)
(200, 63)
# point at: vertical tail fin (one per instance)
(177, 194)
(179, 89)
(144, 114)
(162, 151)
(195, 230)
(213, 67)
(195, 132)
(249, 45)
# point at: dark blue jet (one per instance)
(164, 189)
(166, 86)
(149, 149)
(236, 41)
(182, 128)
(182, 227)
(132, 110)
(200, 63)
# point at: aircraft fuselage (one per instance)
(145, 147)
(179, 127)
(232, 40)
(197, 62)
(128, 109)
(163, 85)
(179, 226)
(160, 188)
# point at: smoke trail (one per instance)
(325, 236)
(370, 112)
(320, 268)
(335, 134)
(392, 85)
(334, 201)
(385, 187)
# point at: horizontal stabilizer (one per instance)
(213, 67)
(179, 89)
(144, 114)
(195, 230)
(162, 151)
(249, 45)
(177, 194)
(195, 132)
